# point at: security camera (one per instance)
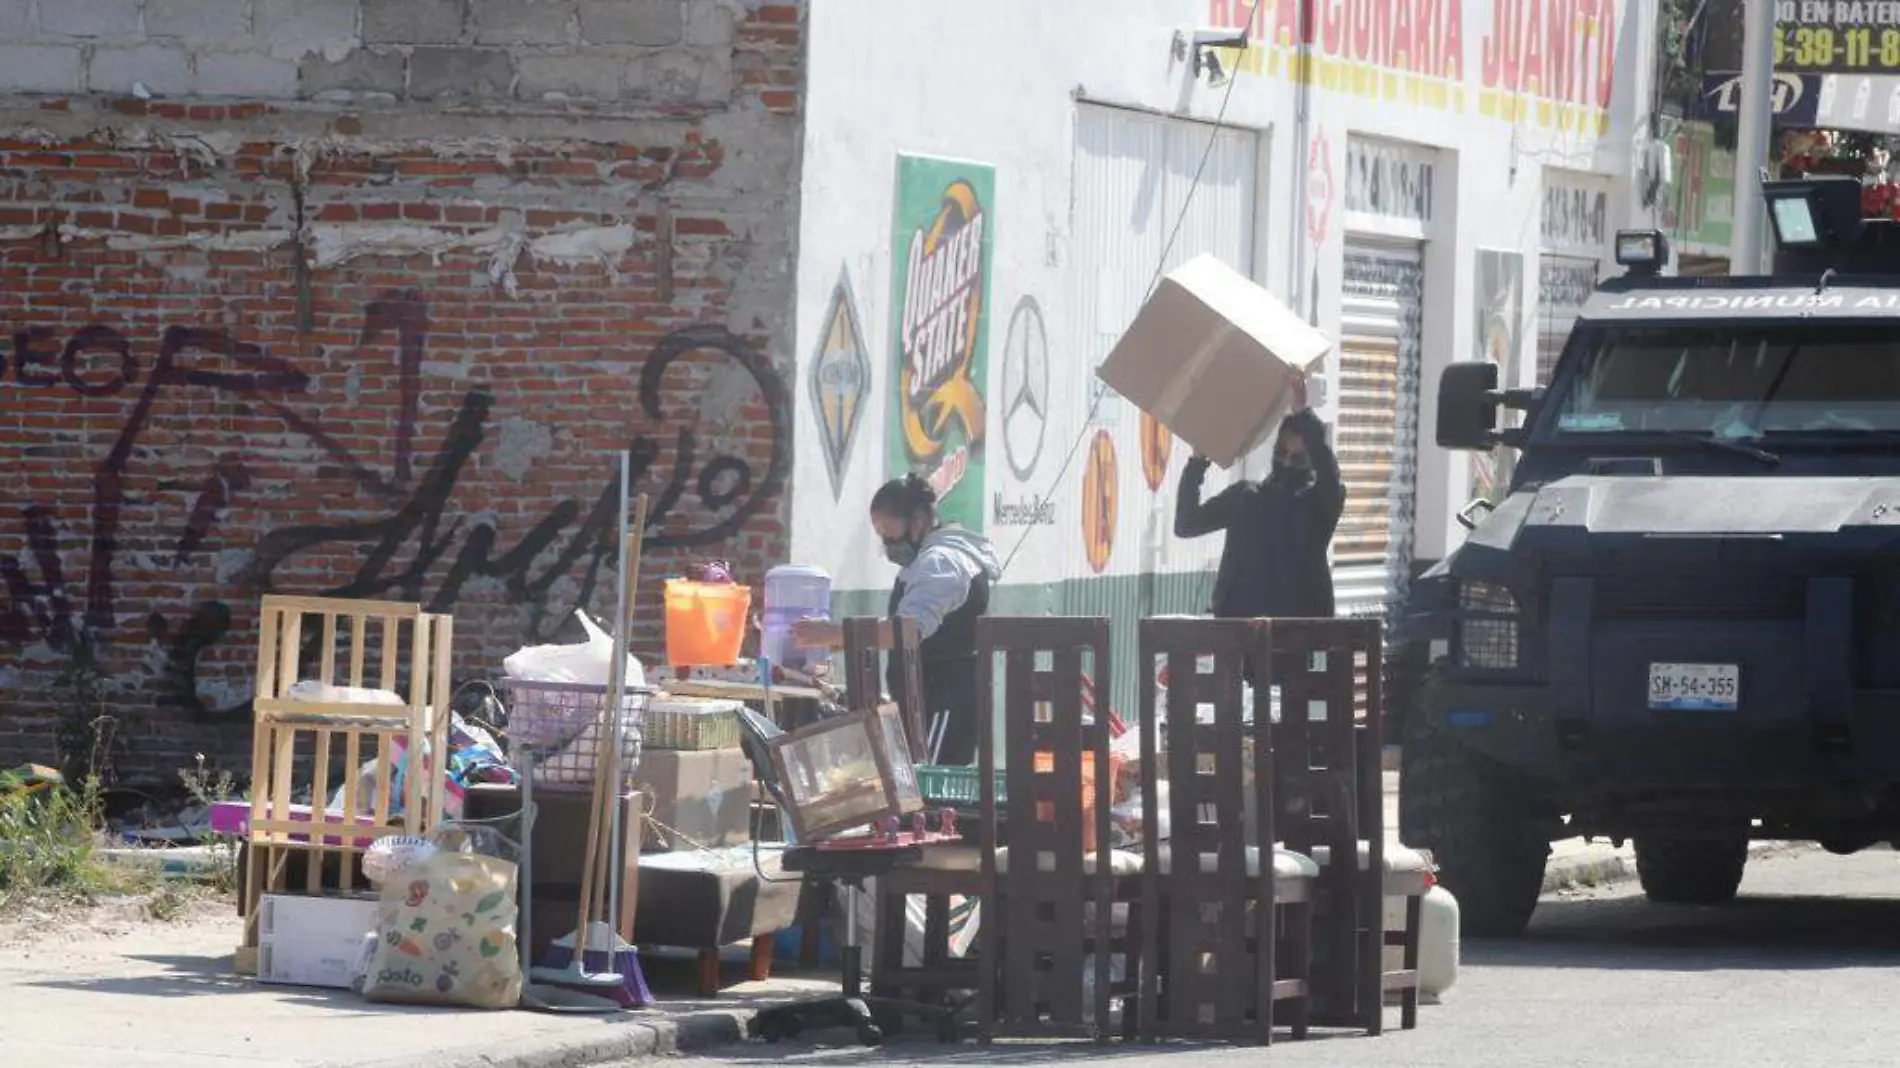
(1219, 37)
(1198, 44)
(1208, 63)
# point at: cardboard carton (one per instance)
(700, 797)
(1215, 358)
(312, 941)
(560, 825)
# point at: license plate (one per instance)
(1695, 687)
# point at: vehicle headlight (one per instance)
(1487, 627)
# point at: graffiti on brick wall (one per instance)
(419, 549)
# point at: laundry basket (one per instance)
(563, 724)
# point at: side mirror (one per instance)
(1468, 406)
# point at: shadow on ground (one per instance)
(175, 976)
(1757, 932)
(835, 1048)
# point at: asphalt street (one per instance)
(1803, 970)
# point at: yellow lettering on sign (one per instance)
(1547, 63)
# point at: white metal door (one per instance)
(1377, 433)
(1563, 285)
(1135, 188)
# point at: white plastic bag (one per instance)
(589, 663)
(1126, 824)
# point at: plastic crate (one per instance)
(951, 785)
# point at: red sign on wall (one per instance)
(1319, 188)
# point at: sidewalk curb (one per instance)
(1619, 867)
(636, 1037)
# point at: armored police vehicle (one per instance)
(1681, 623)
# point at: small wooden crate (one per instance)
(397, 649)
(847, 771)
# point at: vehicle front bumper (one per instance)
(1623, 746)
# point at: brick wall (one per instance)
(310, 328)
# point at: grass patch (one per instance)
(208, 788)
(49, 840)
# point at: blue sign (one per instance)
(1795, 98)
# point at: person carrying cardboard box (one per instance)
(1278, 531)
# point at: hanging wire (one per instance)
(1213, 138)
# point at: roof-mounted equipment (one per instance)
(1642, 252)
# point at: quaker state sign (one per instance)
(940, 302)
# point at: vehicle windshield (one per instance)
(1735, 382)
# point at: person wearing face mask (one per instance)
(1274, 562)
(943, 582)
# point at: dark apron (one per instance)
(947, 665)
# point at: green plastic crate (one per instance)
(946, 785)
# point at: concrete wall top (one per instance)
(657, 53)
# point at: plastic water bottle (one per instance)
(792, 592)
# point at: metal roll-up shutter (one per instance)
(1564, 284)
(1377, 433)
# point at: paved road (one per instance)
(1804, 970)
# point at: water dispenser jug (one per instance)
(792, 592)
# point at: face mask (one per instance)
(1295, 474)
(900, 552)
(903, 549)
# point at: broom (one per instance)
(571, 974)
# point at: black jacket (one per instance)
(1274, 562)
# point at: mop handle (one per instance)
(634, 541)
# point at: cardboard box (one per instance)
(556, 898)
(1214, 358)
(312, 941)
(700, 797)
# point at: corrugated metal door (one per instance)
(1377, 434)
(1563, 285)
(1134, 185)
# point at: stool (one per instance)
(706, 900)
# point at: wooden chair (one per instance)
(866, 640)
(298, 740)
(1049, 913)
(1208, 880)
(1331, 805)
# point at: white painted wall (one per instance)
(997, 81)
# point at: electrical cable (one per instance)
(1213, 138)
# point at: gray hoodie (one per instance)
(938, 581)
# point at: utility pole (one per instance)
(1753, 125)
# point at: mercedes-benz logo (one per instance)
(1025, 387)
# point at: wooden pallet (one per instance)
(369, 645)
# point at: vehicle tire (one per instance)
(1690, 871)
(1481, 826)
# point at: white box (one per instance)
(1215, 358)
(312, 941)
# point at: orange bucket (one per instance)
(1046, 764)
(705, 622)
